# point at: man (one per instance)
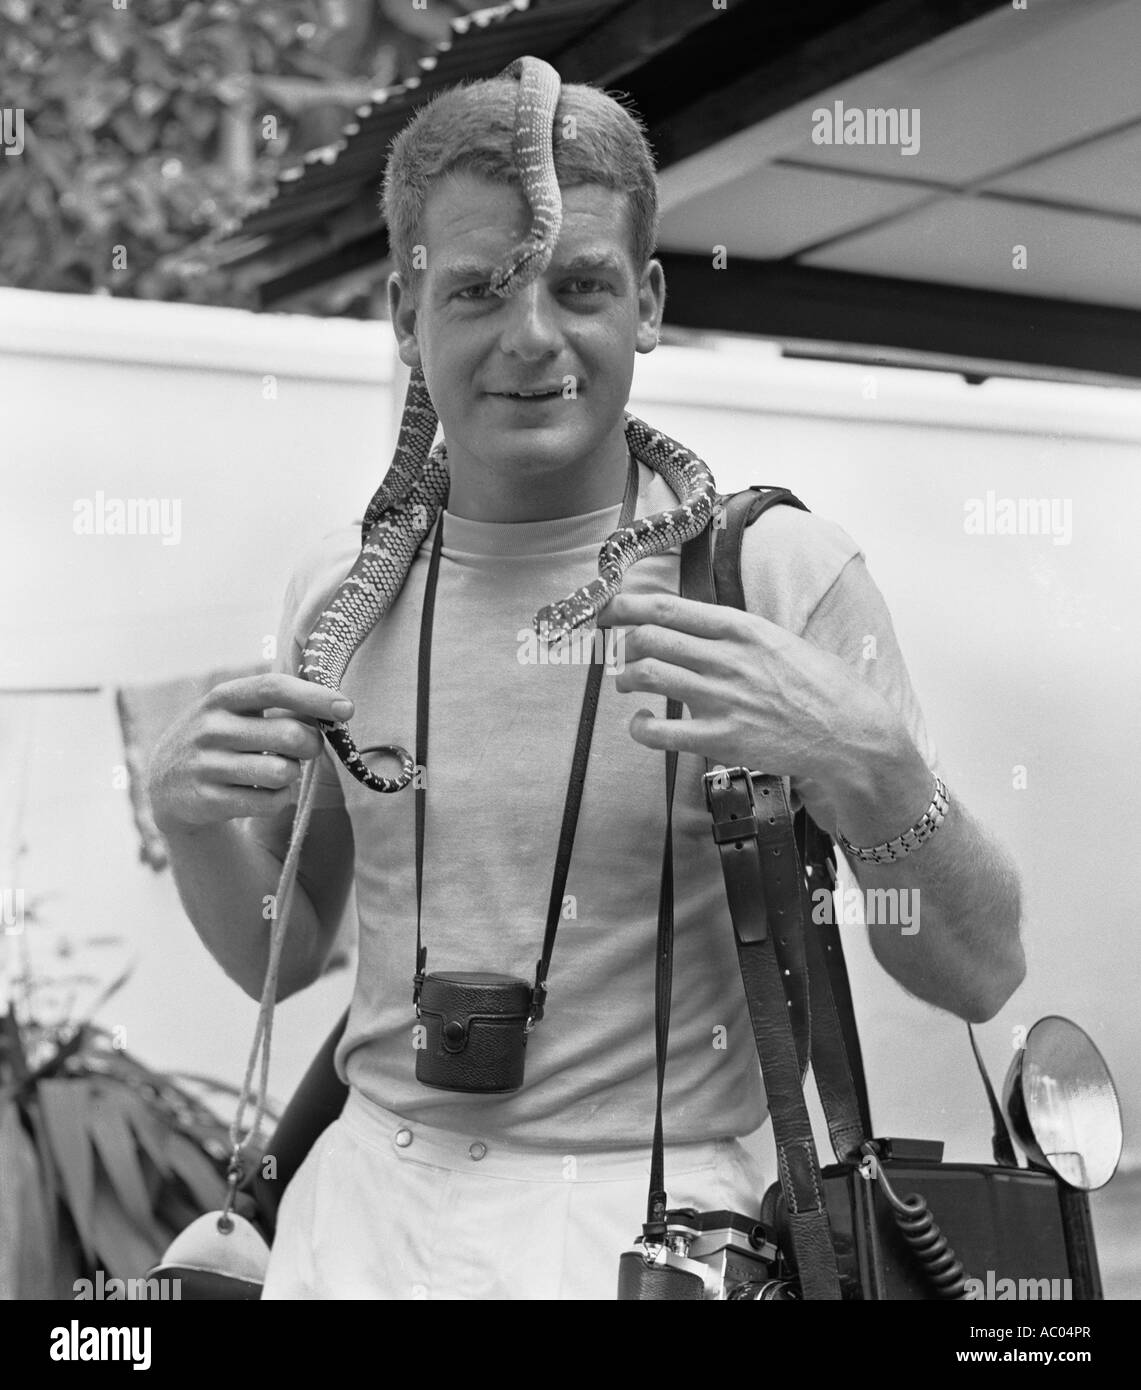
(417, 1192)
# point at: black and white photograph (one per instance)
(569, 685)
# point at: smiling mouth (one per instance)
(550, 394)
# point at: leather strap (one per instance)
(727, 537)
(655, 1227)
(837, 1062)
(579, 761)
(575, 785)
(753, 828)
(770, 883)
(830, 996)
(848, 1123)
(797, 1163)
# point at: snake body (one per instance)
(404, 508)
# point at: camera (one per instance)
(719, 1255)
(475, 1031)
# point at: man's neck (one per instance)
(480, 492)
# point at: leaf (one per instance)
(114, 1142)
(43, 1152)
(206, 1184)
(25, 1228)
(147, 1130)
(106, 40)
(62, 1106)
(136, 135)
(125, 1251)
(147, 99)
(197, 117)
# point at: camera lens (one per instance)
(770, 1291)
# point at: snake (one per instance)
(412, 493)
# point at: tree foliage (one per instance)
(147, 122)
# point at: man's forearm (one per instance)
(964, 898)
(225, 879)
(961, 888)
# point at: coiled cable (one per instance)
(921, 1231)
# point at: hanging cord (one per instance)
(1001, 1144)
(263, 1032)
(919, 1228)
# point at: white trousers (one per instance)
(384, 1208)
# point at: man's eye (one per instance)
(584, 286)
(474, 292)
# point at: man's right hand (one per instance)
(238, 751)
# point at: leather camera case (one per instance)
(474, 1031)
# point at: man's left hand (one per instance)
(757, 694)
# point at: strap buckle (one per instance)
(419, 977)
(538, 999)
(734, 780)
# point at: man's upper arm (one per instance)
(852, 620)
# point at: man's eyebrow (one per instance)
(474, 269)
(466, 270)
(591, 260)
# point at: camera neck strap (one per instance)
(577, 779)
(655, 1228)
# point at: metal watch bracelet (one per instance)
(918, 834)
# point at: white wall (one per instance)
(1023, 652)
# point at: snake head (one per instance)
(558, 620)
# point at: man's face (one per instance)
(570, 336)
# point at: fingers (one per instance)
(669, 735)
(663, 645)
(681, 615)
(272, 690)
(214, 768)
(243, 734)
(232, 803)
(652, 677)
(266, 771)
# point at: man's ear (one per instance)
(651, 306)
(402, 312)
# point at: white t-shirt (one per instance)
(501, 737)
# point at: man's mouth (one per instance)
(541, 393)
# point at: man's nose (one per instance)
(530, 323)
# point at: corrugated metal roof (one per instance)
(483, 42)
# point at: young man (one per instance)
(418, 1192)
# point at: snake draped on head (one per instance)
(405, 506)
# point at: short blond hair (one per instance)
(470, 127)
